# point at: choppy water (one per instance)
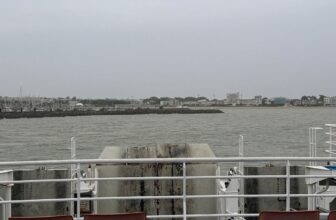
(267, 132)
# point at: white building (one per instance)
(233, 98)
(170, 102)
(326, 101)
(258, 99)
(332, 101)
(72, 104)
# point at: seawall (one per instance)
(11, 115)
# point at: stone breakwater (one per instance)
(11, 115)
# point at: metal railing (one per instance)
(184, 178)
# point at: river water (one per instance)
(266, 131)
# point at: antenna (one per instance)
(20, 94)
(20, 98)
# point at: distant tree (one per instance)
(152, 100)
(264, 101)
(190, 99)
(164, 98)
(304, 100)
(202, 98)
(104, 102)
(179, 98)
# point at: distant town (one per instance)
(40, 104)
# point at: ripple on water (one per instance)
(267, 132)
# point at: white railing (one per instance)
(313, 143)
(331, 142)
(77, 179)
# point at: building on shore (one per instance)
(170, 103)
(332, 101)
(279, 101)
(258, 100)
(233, 99)
(326, 100)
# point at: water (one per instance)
(267, 132)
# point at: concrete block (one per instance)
(157, 187)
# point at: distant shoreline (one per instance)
(14, 115)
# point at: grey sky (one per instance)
(139, 48)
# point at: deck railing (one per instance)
(77, 179)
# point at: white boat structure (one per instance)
(171, 182)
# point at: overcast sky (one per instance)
(141, 48)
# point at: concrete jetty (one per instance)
(12, 115)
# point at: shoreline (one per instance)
(16, 115)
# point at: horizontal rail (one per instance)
(212, 215)
(331, 134)
(167, 197)
(203, 215)
(166, 178)
(163, 160)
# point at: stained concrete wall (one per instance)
(2, 195)
(40, 191)
(274, 186)
(157, 187)
(2, 206)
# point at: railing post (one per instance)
(310, 146)
(184, 191)
(288, 186)
(311, 200)
(241, 172)
(313, 144)
(72, 173)
(330, 141)
(78, 182)
(4, 214)
(9, 197)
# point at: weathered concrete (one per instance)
(274, 186)
(157, 187)
(40, 191)
(5, 193)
